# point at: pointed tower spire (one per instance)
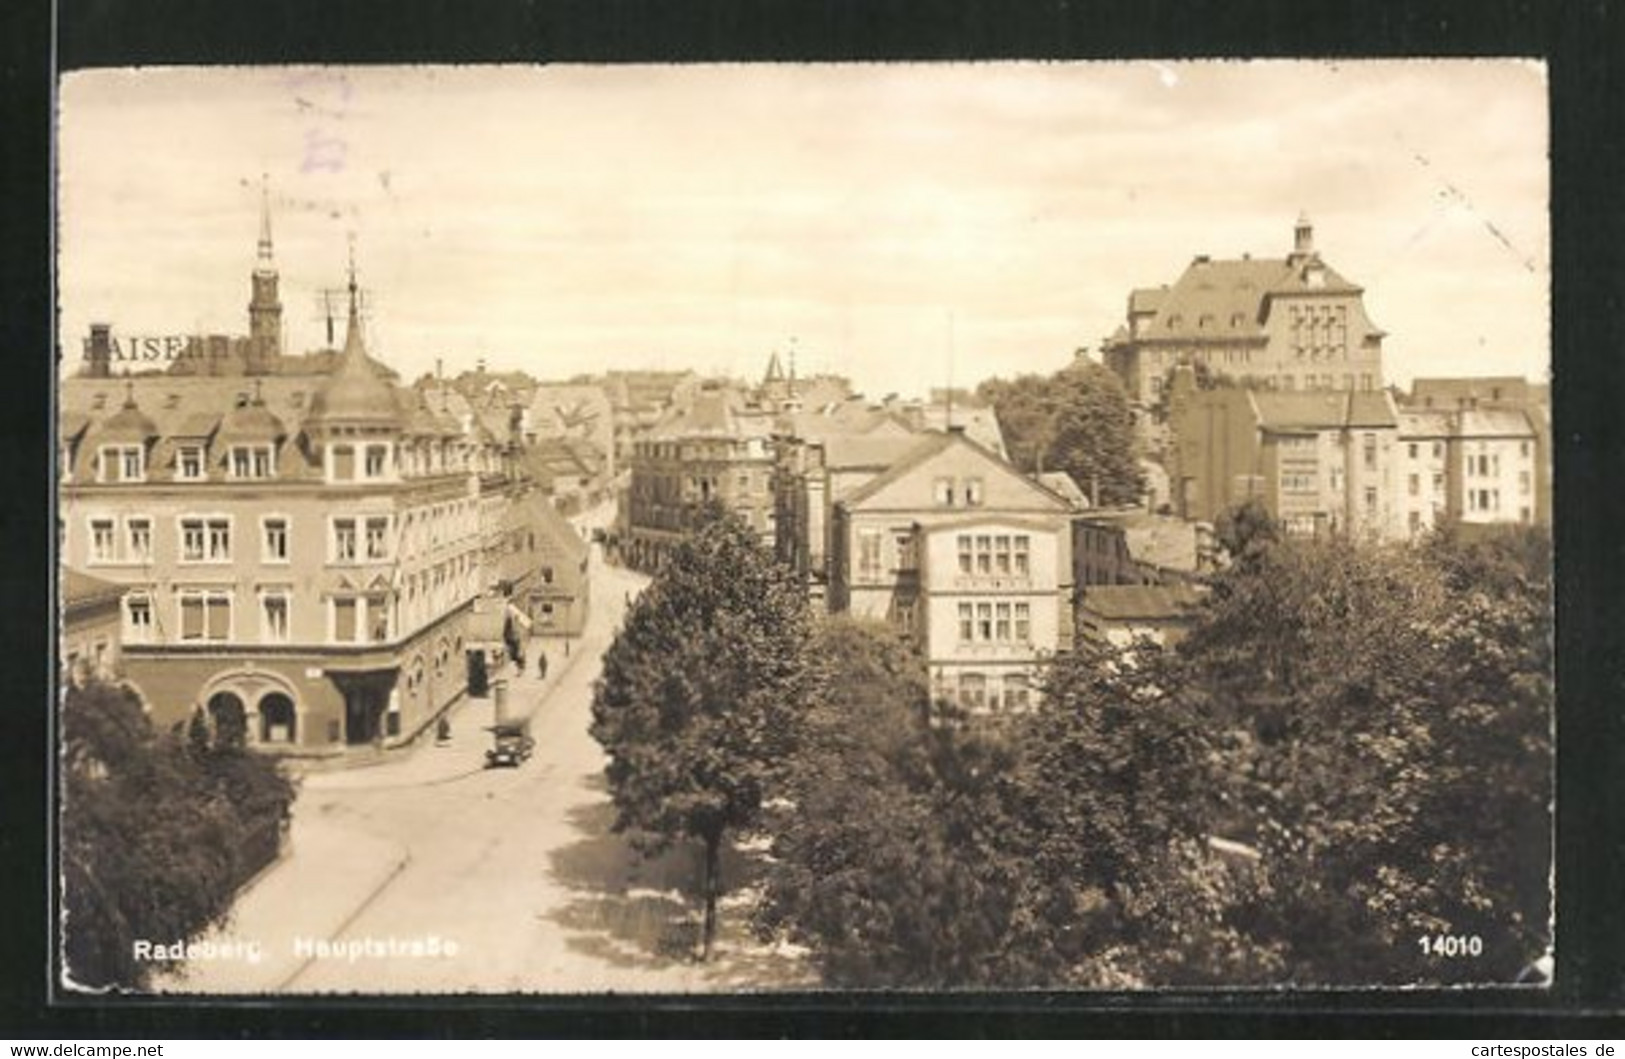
(265, 261)
(353, 347)
(264, 307)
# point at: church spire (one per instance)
(264, 306)
(265, 261)
(353, 347)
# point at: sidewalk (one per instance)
(332, 866)
(283, 912)
(430, 761)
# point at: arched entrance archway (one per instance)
(229, 717)
(278, 720)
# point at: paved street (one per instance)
(514, 869)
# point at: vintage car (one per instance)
(511, 745)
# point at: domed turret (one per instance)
(355, 394)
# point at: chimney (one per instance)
(99, 351)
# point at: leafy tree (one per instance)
(1078, 421)
(1246, 531)
(1061, 848)
(1388, 712)
(1116, 803)
(889, 859)
(701, 693)
(150, 829)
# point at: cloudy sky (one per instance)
(893, 222)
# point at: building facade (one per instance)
(964, 556)
(1478, 466)
(1324, 464)
(299, 551)
(718, 450)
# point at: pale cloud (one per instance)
(889, 217)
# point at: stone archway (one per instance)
(278, 719)
(250, 685)
(229, 718)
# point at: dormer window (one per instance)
(122, 463)
(189, 463)
(973, 492)
(252, 461)
(942, 492)
(377, 459)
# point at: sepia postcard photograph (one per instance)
(772, 528)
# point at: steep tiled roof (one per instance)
(713, 413)
(1227, 298)
(1495, 423)
(1062, 484)
(1146, 299)
(80, 590)
(1323, 410)
(1424, 423)
(1144, 602)
(857, 453)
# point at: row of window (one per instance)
(205, 615)
(995, 622)
(977, 691)
(208, 539)
(1000, 554)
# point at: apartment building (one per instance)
(299, 551)
(964, 555)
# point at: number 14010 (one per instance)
(1451, 945)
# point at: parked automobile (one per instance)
(511, 745)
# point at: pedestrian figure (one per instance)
(567, 648)
(443, 731)
(541, 664)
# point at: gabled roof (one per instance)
(931, 444)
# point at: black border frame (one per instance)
(1584, 44)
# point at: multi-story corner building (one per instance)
(1322, 463)
(1502, 429)
(716, 450)
(299, 550)
(1289, 323)
(967, 557)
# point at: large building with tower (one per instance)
(1289, 323)
(299, 550)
